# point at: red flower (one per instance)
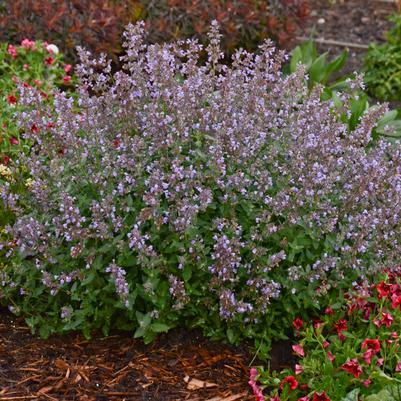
(329, 310)
(11, 99)
(371, 344)
(317, 323)
(13, 140)
(383, 289)
(298, 350)
(5, 160)
(320, 397)
(292, 382)
(66, 79)
(341, 325)
(297, 323)
(352, 367)
(387, 319)
(395, 300)
(49, 60)
(116, 143)
(34, 128)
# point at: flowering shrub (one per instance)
(227, 198)
(351, 353)
(243, 23)
(98, 24)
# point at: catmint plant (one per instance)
(179, 193)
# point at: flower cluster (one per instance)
(224, 186)
(357, 345)
(31, 63)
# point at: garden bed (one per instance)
(175, 367)
(180, 365)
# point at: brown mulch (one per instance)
(356, 22)
(179, 366)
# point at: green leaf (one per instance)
(383, 395)
(139, 332)
(159, 327)
(296, 58)
(317, 69)
(335, 65)
(351, 396)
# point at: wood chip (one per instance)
(195, 384)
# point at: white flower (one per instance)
(52, 49)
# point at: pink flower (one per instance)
(330, 356)
(367, 382)
(329, 310)
(13, 140)
(368, 355)
(298, 369)
(28, 44)
(66, 79)
(298, 350)
(67, 68)
(380, 362)
(325, 344)
(305, 398)
(257, 392)
(398, 367)
(25, 67)
(12, 51)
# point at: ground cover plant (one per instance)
(382, 65)
(351, 353)
(229, 198)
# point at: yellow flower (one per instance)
(5, 172)
(29, 183)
